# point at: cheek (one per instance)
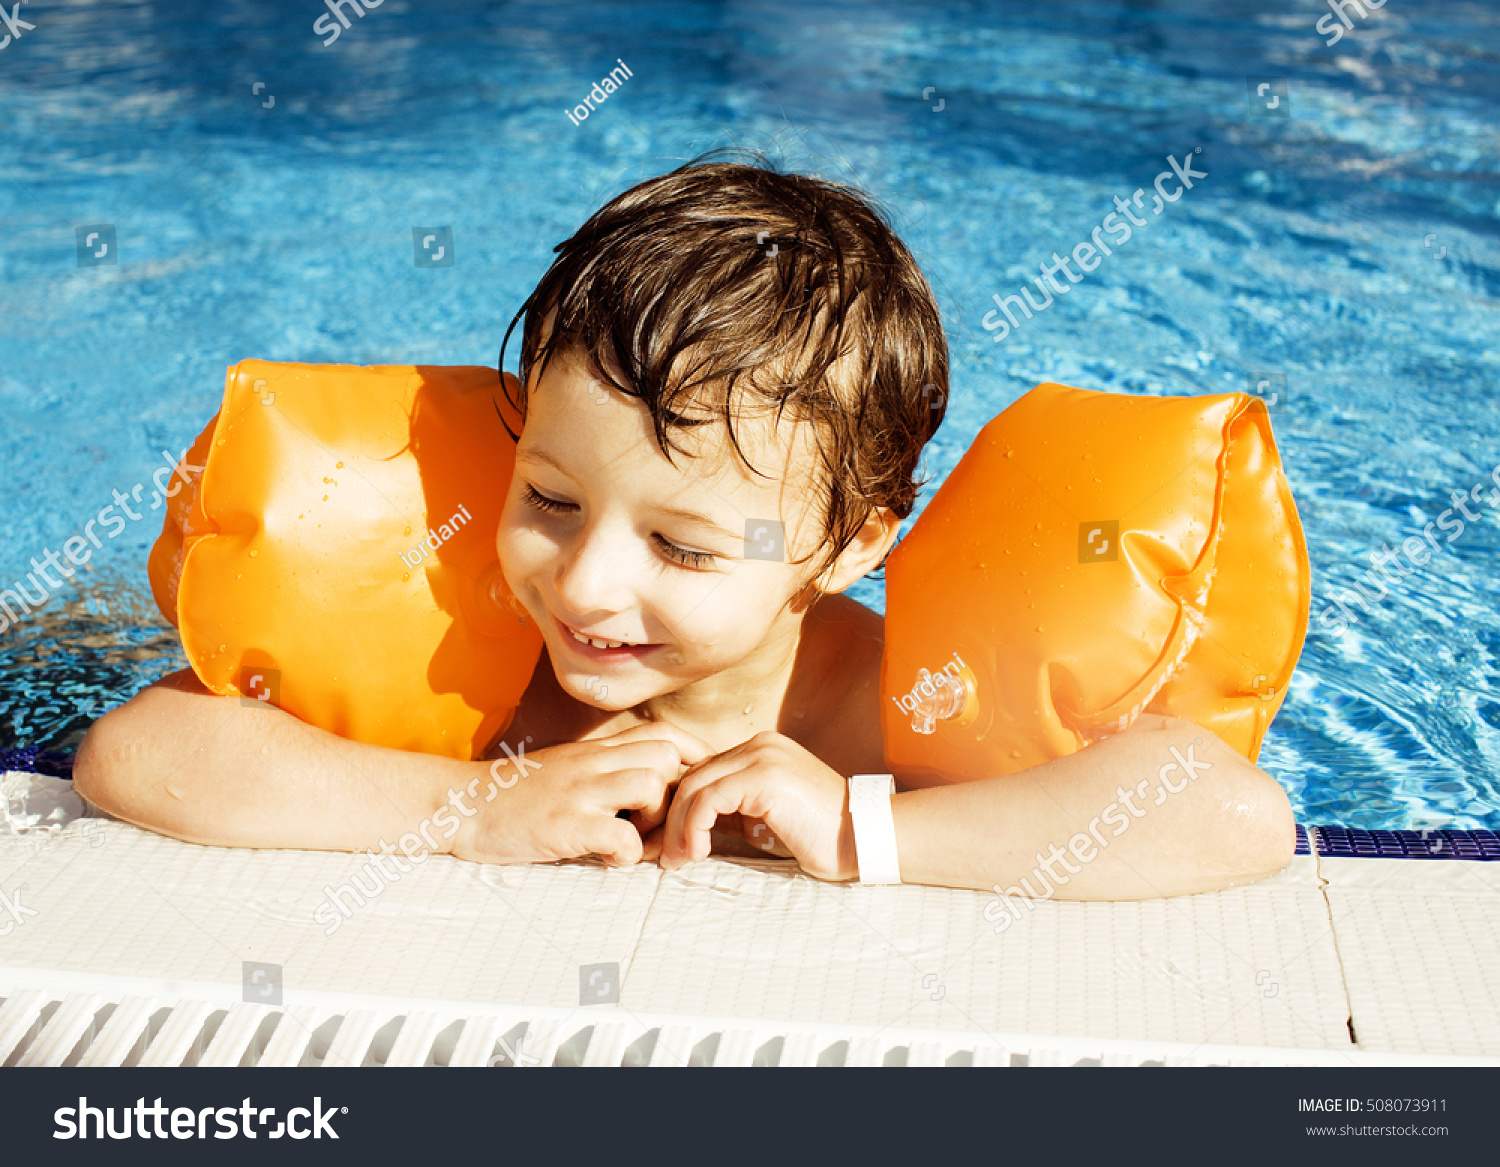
(519, 551)
(728, 615)
(505, 535)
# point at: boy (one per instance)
(719, 352)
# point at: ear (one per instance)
(864, 553)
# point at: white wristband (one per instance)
(874, 827)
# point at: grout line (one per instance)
(1318, 857)
(633, 946)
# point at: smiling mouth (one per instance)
(598, 644)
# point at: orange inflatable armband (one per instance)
(336, 553)
(1094, 556)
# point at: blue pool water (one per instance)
(1349, 247)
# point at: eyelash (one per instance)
(679, 555)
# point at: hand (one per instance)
(770, 782)
(565, 803)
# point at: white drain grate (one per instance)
(56, 1019)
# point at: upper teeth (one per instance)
(598, 643)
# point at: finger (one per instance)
(643, 791)
(647, 819)
(682, 799)
(693, 836)
(690, 748)
(739, 756)
(658, 755)
(651, 846)
(616, 842)
(713, 802)
(732, 761)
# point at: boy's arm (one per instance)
(185, 762)
(1164, 809)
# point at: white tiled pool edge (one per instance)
(132, 927)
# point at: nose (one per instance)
(594, 573)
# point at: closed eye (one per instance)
(682, 555)
(679, 555)
(552, 506)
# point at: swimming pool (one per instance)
(258, 192)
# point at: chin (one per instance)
(612, 702)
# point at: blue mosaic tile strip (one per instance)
(34, 760)
(1354, 843)
(1302, 847)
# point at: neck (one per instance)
(731, 706)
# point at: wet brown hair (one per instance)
(671, 284)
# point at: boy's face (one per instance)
(599, 537)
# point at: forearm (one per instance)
(206, 769)
(1121, 820)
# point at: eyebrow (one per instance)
(676, 512)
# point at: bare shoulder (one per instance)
(849, 617)
(851, 642)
